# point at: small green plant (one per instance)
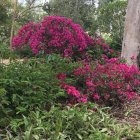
(81, 122)
(6, 53)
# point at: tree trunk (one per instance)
(13, 22)
(131, 38)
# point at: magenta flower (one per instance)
(71, 90)
(61, 76)
(95, 96)
(89, 84)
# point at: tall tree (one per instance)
(77, 10)
(102, 3)
(110, 19)
(131, 39)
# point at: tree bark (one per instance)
(131, 38)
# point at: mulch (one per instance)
(129, 113)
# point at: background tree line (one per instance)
(106, 17)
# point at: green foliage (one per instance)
(32, 104)
(26, 52)
(32, 83)
(78, 10)
(6, 53)
(24, 13)
(104, 2)
(5, 19)
(76, 123)
(4, 8)
(110, 18)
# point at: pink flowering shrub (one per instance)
(111, 83)
(106, 81)
(59, 35)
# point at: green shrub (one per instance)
(5, 52)
(30, 84)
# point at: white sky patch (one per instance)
(37, 1)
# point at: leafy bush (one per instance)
(30, 84)
(5, 52)
(110, 83)
(61, 36)
(76, 123)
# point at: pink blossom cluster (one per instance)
(109, 83)
(59, 35)
(54, 35)
(24, 36)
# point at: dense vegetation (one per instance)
(69, 80)
(35, 106)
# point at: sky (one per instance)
(23, 1)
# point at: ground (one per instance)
(129, 113)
